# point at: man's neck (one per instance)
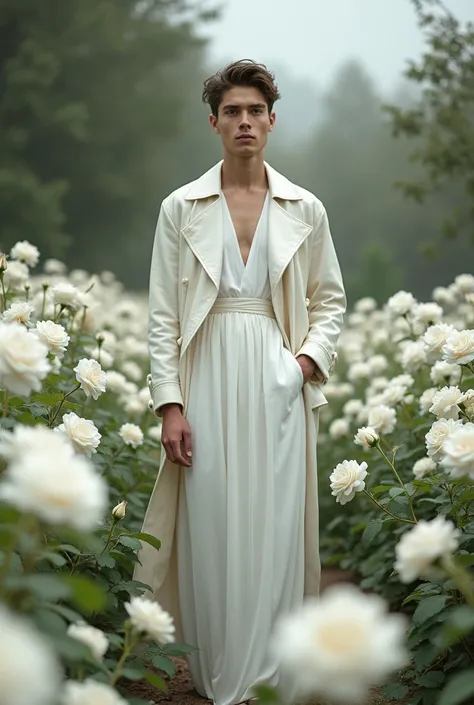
(243, 174)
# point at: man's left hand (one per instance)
(308, 366)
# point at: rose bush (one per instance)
(404, 471)
(78, 459)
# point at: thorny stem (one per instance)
(384, 509)
(4, 294)
(65, 396)
(129, 645)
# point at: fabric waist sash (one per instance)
(263, 307)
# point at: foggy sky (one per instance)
(311, 38)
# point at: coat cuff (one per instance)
(165, 393)
(321, 357)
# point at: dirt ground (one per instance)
(180, 689)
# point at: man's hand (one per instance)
(176, 435)
(308, 366)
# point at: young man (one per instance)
(246, 305)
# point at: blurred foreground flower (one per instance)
(19, 312)
(29, 673)
(94, 638)
(23, 360)
(148, 617)
(45, 477)
(347, 478)
(458, 452)
(340, 646)
(90, 692)
(25, 252)
(419, 548)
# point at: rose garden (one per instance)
(80, 448)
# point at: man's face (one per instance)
(243, 121)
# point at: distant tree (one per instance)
(442, 120)
(93, 93)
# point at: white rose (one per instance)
(347, 478)
(133, 371)
(134, 406)
(353, 407)
(116, 382)
(23, 360)
(131, 434)
(365, 305)
(119, 511)
(458, 452)
(148, 617)
(54, 266)
(102, 355)
(65, 294)
(464, 283)
(401, 303)
(358, 371)
(426, 399)
(377, 364)
(155, 433)
(19, 312)
(29, 671)
(469, 402)
(94, 638)
(443, 296)
(16, 276)
(436, 336)
(393, 395)
(423, 466)
(45, 477)
(403, 380)
(443, 372)
(54, 336)
(366, 437)
(413, 356)
(90, 692)
(25, 252)
(337, 647)
(382, 419)
(339, 428)
(82, 433)
(437, 436)
(459, 347)
(446, 403)
(91, 377)
(419, 548)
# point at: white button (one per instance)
(179, 342)
(307, 302)
(185, 281)
(148, 379)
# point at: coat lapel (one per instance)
(204, 231)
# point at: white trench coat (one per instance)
(309, 302)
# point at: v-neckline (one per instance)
(257, 228)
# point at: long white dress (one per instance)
(241, 512)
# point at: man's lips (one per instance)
(245, 137)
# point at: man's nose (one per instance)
(245, 120)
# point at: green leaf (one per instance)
(133, 673)
(164, 664)
(86, 594)
(395, 491)
(372, 529)
(147, 538)
(458, 625)
(396, 691)
(428, 608)
(266, 695)
(130, 542)
(458, 689)
(155, 680)
(106, 561)
(431, 679)
(178, 649)
(46, 586)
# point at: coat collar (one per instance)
(209, 184)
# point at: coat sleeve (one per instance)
(163, 316)
(326, 300)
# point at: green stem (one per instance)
(65, 396)
(4, 294)
(7, 559)
(384, 509)
(402, 484)
(58, 315)
(5, 403)
(43, 305)
(127, 649)
(109, 537)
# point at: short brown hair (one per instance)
(240, 73)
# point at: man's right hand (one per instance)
(176, 435)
